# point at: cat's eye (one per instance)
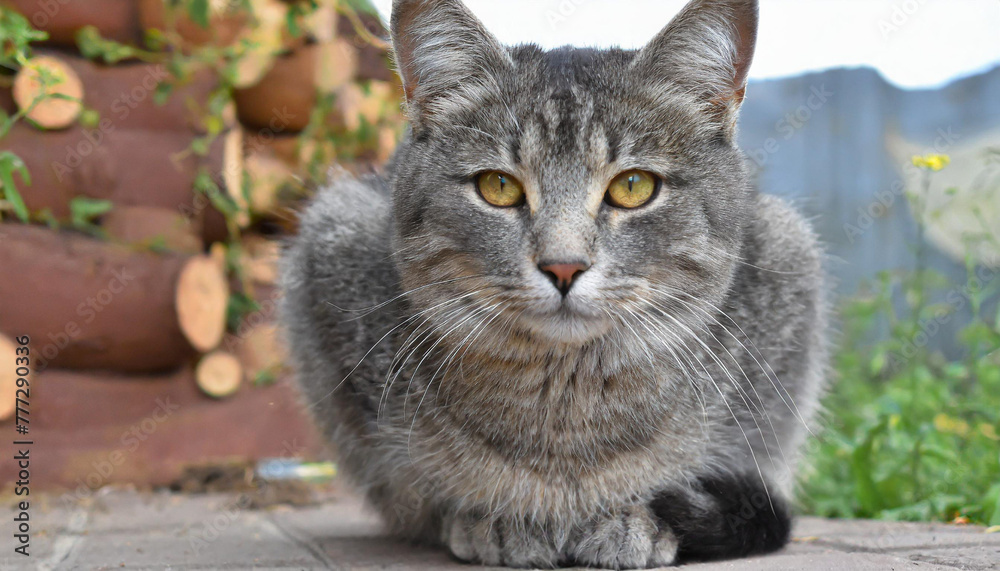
(500, 189)
(632, 189)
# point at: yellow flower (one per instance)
(988, 431)
(931, 162)
(949, 425)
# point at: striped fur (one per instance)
(621, 426)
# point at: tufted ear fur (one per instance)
(445, 56)
(706, 51)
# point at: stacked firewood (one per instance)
(153, 284)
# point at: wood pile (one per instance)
(194, 199)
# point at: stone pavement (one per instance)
(125, 529)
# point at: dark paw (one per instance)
(726, 518)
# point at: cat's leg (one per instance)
(489, 541)
(725, 517)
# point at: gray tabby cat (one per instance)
(563, 328)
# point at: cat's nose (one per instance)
(563, 274)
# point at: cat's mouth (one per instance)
(568, 323)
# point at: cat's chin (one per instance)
(568, 328)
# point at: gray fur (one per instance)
(475, 406)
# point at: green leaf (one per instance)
(84, 210)
(878, 363)
(17, 36)
(93, 46)
(204, 184)
(198, 10)
(90, 118)
(10, 164)
(162, 93)
(199, 146)
(862, 467)
(992, 504)
(154, 39)
(265, 378)
(240, 306)
(292, 21)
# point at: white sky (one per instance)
(914, 43)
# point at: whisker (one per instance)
(383, 401)
(740, 260)
(447, 360)
(376, 307)
(369, 352)
(421, 338)
(711, 354)
(753, 387)
(427, 387)
(765, 367)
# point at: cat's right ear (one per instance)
(445, 57)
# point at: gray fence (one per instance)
(838, 144)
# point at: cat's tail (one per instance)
(725, 517)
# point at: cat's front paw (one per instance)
(628, 538)
(487, 541)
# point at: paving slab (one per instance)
(123, 529)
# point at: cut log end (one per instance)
(232, 174)
(49, 92)
(8, 379)
(267, 176)
(219, 374)
(262, 352)
(260, 258)
(337, 66)
(202, 298)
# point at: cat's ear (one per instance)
(706, 50)
(445, 56)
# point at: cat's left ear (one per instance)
(707, 51)
(445, 56)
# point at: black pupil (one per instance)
(631, 182)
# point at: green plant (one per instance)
(15, 49)
(84, 211)
(912, 434)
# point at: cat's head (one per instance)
(569, 191)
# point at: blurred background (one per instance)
(155, 153)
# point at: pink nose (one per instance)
(562, 275)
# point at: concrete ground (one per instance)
(130, 530)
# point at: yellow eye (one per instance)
(500, 189)
(632, 189)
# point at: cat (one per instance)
(562, 328)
